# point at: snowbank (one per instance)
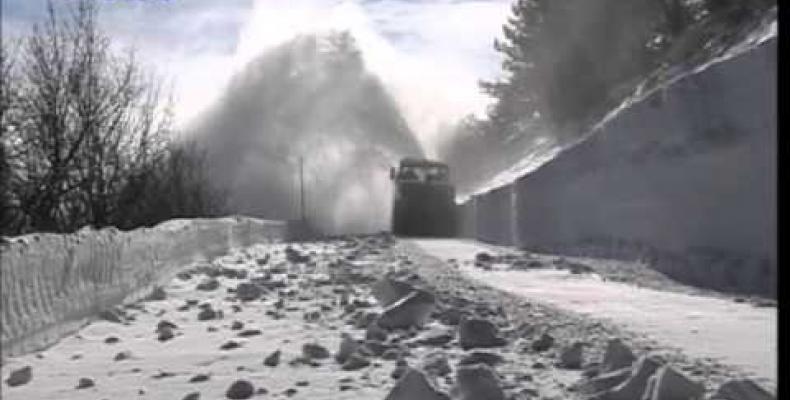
(685, 176)
(735, 334)
(50, 283)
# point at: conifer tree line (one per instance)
(565, 63)
(86, 134)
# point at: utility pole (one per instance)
(301, 189)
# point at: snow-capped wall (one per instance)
(686, 177)
(496, 224)
(467, 217)
(50, 283)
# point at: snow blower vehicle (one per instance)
(424, 199)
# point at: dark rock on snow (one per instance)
(412, 310)
(272, 360)
(20, 376)
(476, 382)
(85, 383)
(208, 285)
(165, 334)
(241, 389)
(389, 290)
(572, 356)
(481, 357)
(543, 343)
(636, 384)
(199, 378)
(230, 345)
(742, 389)
(414, 385)
(314, 350)
(475, 332)
(248, 291)
(348, 346)
(669, 384)
(617, 355)
(436, 364)
(355, 362)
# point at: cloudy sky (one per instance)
(430, 53)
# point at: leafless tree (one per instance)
(7, 105)
(87, 120)
(175, 184)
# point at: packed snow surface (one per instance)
(272, 315)
(736, 334)
(162, 369)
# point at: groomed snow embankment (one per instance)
(50, 284)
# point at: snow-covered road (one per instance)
(194, 364)
(735, 334)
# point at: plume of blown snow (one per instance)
(310, 98)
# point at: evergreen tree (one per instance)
(563, 58)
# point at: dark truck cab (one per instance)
(424, 199)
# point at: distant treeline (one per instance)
(568, 62)
(86, 137)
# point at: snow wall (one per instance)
(684, 178)
(52, 284)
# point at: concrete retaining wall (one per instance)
(495, 218)
(685, 179)
(467, 219)
(51, 284)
